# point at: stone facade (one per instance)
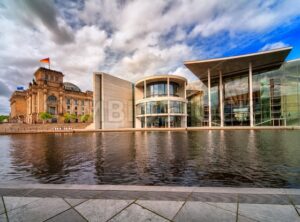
(48, 93)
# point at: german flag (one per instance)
(46, 60)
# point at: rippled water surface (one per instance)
(268, 158)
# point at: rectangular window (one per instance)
(76, 102)
(82, 102)
(68, 101)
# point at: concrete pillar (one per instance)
(209, 98)
(185, 105)
(168, 93)
(97, 96)
(221, 98)
(145, 89)
(145, 95)
(250, 95)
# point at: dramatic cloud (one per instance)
(34, 13)
(4, 90)
(131, 39)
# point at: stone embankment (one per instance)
(8, 128)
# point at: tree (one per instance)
(85, 118)
(45, 116)
(3, 118)
(69, 117)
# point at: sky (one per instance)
(136, 38)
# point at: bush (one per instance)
(69, 117)
(45, 116)
(85, 118)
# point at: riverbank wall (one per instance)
(85, 128)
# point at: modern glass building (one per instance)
(258, 89)
(160, 102)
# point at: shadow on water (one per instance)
(242, 158)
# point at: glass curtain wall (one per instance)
(161, 89)
(176, 107)
(195, 109)
(276, 96)
(157, 107)
(157, 121)
(236, 102)
(215, 106)
(276, 99)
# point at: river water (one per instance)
(239, 158)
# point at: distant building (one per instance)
(48, 93)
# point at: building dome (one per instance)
(71, 87)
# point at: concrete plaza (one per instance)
(146, 203)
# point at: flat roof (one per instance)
(235, 65)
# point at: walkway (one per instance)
(146, 203)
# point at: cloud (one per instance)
(4, 90)
(5, 93)
(133, 38)
(275, 45)
(34, 13)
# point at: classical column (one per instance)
(30, 104)
(209, 98)
(34, 103)
(250, 95)
(38, 101)
(168, 93)
(61, 104)
(221, 98)
(45, 101)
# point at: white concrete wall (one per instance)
(116, 102)
(97, 100)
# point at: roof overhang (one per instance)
(237, 65)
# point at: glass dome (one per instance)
(71, 87)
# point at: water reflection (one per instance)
(200, 158)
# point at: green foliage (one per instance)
(85, 118)
(45, 116)
(3, 118)
(69, 117)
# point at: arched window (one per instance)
(52, 99)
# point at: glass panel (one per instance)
(157, 121)
(157, 107)
(174, 89)
(176, 107)
(215, 106)
(156, 89)
(236, 102)
(195, 110)
(175, 121)
(140, 109)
